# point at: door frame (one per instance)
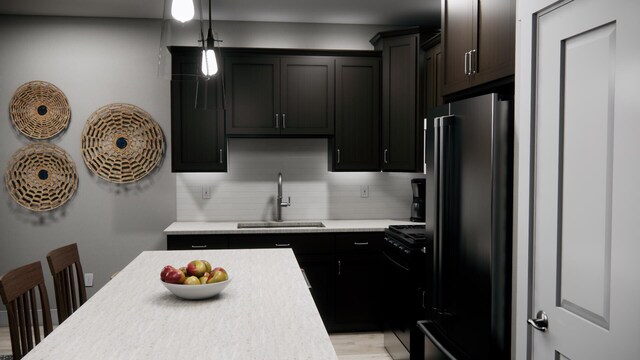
(524, 173)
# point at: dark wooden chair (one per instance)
(17, 289)
(69, 297)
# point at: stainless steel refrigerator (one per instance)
(469, 171)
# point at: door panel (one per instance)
(399, 103)
(253, 97)
(586, 176)
(496, 40)
(307, 95)
(457, 23)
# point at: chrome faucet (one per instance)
(279, 202)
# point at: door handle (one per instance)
(306, 279)
(541, 322)
(282, 245)
(284, 121)
(220, 156)
(472, 62)
(466, 63)
(338, 156)
(339, 267)
(386, 152)
(277, 121)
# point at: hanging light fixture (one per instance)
(209, 63)
(182, 10)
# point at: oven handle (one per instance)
(395, 262)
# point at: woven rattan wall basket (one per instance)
(41, 177)
(39, 110)
(121, 143)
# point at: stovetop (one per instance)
(415, 235)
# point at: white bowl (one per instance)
(196, 292)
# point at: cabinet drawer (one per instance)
(359, 242)
(300, 243)
(196, 242)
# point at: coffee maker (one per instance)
(417, 206)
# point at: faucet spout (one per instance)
(279, 202)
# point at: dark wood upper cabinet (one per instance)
(271, 95)
(252, 85)
(478, 42)
(356, 145)
(401, 148)
(307, 90)
(197, 117)
(433, 74)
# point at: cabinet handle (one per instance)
(466, 63)
(277, 121)
(284, 121)
(339, 267)
(338, 156)
(361, 243)
(386, 151)
(423, 295)
(472, 62)
(198, 246)
(283, 245)
(220, 156)
(304, 275)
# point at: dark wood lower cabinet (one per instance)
(343, 270)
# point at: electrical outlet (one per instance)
(364, 191)
(88, 279)
(206, 192)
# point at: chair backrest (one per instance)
(69, 297)
(17, 289)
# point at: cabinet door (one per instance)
(307, 95)
(433, 78)
(399, 95)
(197, 118)
(356, 143)
(319, 272)
(252, 85)
(457, 34)
(358, 292)
(495, 31)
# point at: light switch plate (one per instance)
(88, 279)
(206, 192)
(364, 191)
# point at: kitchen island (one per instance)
(266, 312)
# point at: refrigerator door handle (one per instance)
(442, 175)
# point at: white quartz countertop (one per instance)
(194, 228)
(266, 312)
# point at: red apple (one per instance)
(165, 270)
(196, 268)
(218, 275)
(207, 264)
(174, 276)
(191, 280)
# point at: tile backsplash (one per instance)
(248, 190)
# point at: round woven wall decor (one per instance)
(121, 143)
(41, 177)
(39, 110)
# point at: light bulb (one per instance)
(182, 10)
(209, 64)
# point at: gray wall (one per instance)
(96, 62)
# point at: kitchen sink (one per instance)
(274, 224)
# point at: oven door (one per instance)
(398, 304)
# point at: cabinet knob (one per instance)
(338, 156)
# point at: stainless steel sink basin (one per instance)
(274, 224)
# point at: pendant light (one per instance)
(209, 63)
(182, 10)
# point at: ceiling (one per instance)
(375, 12)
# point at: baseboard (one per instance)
(4, 317)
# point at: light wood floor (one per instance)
(349, 346)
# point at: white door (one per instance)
(586, 223)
